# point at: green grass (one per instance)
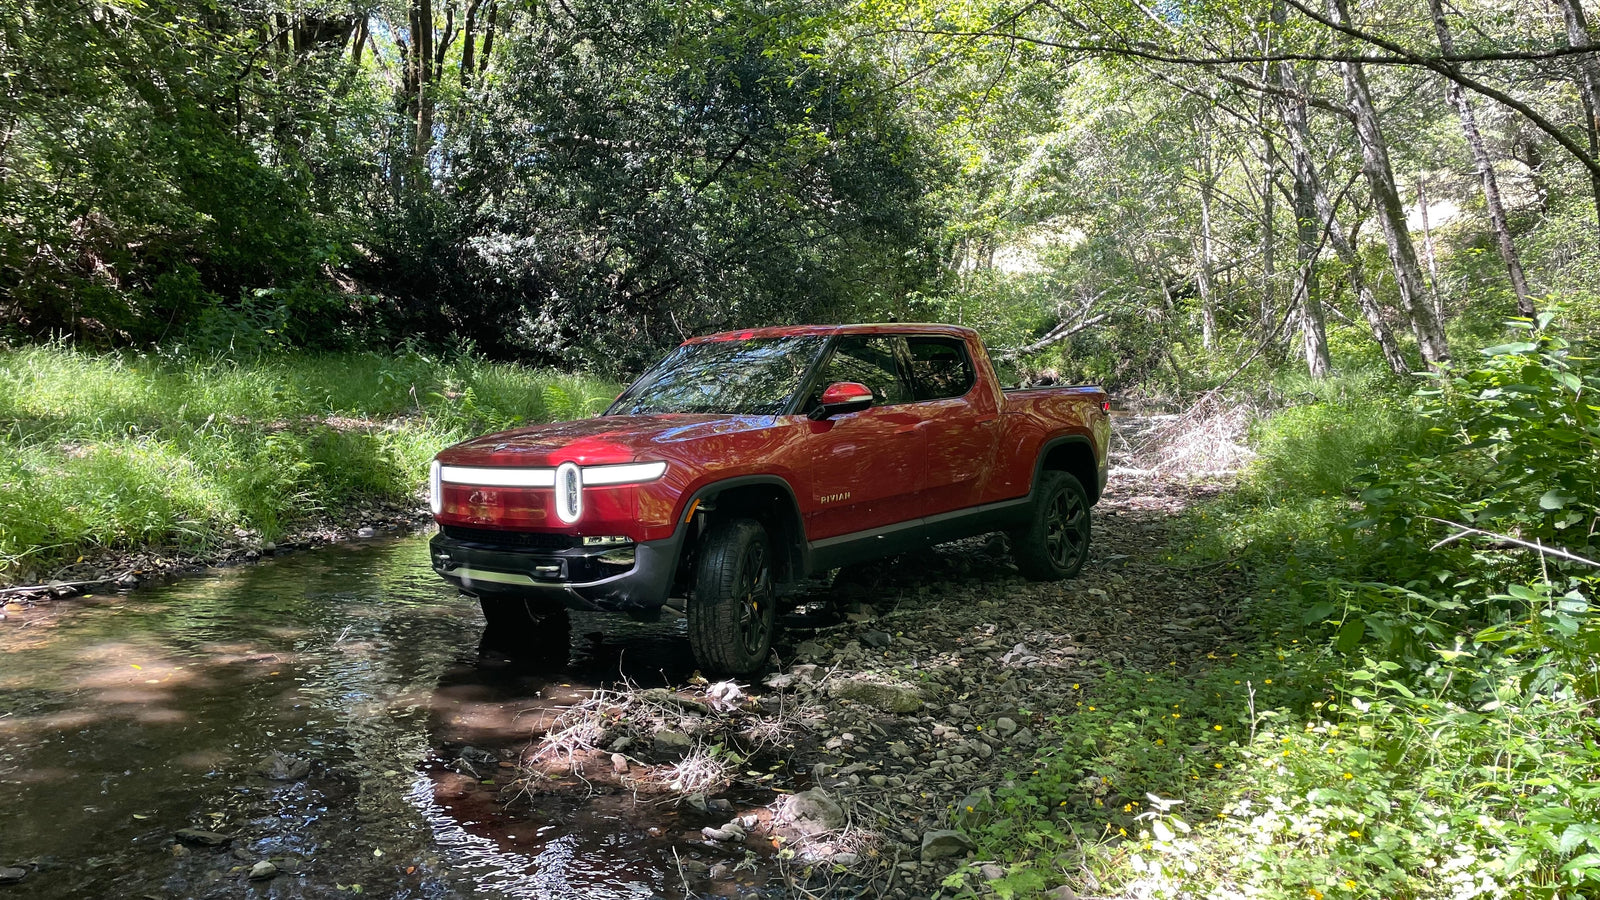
(1407, 720)
(121, 451)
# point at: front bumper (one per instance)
(577, 576)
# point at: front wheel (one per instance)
(1055, 543)
(732, 610)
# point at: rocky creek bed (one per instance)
(909, 691)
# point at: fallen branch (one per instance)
(1061, 331)
(1532, 545)
(57, 585)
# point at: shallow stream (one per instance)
(126, 718)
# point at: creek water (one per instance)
(126, 718)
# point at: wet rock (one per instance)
(366, 532)
(894, 698)
(12, 875)
(810, 650)
(671, 743)
(720, 872)
(263, 871)
(279, 766)
(620, 744)
(477, 756)
(61, 589)
(128, 582)
(196, 837)
(876, 639)
(945, 844)
(1005, 727)
(813, 812)
(729, 832)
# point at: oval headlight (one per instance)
(569, 492)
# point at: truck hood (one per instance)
(601, 440)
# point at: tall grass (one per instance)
(117, 451)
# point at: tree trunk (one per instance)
(360, 40)
(1480, 157)
(1313, 329)
(422, 62)
(488, 37)
(1379, 173)
(1269, 224)
(469, 39)
(1588, 81)
(1371, 310)
(1207, 268)
(1428, 251)
(1299, 134)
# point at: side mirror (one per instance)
(842, 397)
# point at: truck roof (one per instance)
(830, 330)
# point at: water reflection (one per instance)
(128, 718)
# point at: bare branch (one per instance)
(1532, 545)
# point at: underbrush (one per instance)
(127, 451)
(1417, 717)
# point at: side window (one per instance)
(868, 360)
(939, 367)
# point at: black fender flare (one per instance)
(1064, 440)
(799, 553)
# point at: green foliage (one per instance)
(125, 451)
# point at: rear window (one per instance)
(940, 368)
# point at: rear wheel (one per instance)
(532, 630)
(732, 610)
(1055, 543)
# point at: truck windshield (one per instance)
(755, 377)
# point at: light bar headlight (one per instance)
(627, 473)
(435, 488)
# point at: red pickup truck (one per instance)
(749, 460)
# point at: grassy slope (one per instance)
(1415, 756)
(125, 451)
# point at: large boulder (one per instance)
(813, 812)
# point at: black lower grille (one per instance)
(535, 540)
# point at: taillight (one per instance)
(1105, 405)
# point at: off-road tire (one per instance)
(1055, 542)
(732, 608)
(528, 629)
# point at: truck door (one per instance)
(866, 467)
(961, 420)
